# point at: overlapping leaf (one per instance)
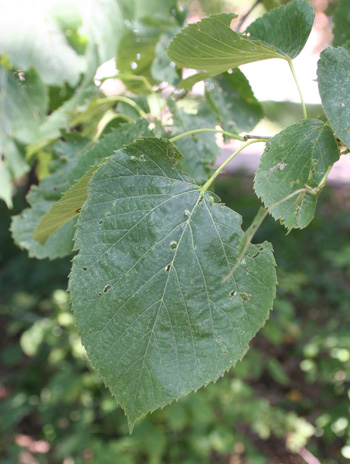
(334, 84)
(298, 156)
(287, 27)
(155, 315)
(68, 206)
(200, 149)
(233, 100)
(212, 46)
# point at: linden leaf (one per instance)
(155, 315)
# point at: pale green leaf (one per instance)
(287, 27)
(155, 315)
(299, 155)
(68, 206)
(212, 46)
(233, 100)
(334, 84)
(341, 20)
(31, 39)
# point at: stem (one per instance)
(205, 187)
(297, 83)
(257, 221)
(124, 100)
(195, 131)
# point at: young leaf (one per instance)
(232, 98)
(69, 205)
(341, 19)
(298, 156)
(147, 287)
(334, 84)
(212, 46)
(287, 27)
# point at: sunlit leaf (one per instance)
(287, 27)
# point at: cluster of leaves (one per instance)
(164, 300)
(291, 389)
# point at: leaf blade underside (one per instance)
(155, 316)
(212, 46)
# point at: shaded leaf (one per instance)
(154, 315)
(287, 27)
(299, 155)
(341, 20)
(200, 149)
(334, 84)
(212, 46)
(232, 98)
(68, 206)
(41, 197)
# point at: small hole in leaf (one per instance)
(100, 221)
(218, 339)
(84, 268)
(173, 245)
(107, 287)
(78, 210)
(232, 293)
(245, 296)
(167, 268)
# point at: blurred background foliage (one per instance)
(291, 391)
(289, 400)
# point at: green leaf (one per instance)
(200, 149)
(41, 197)
(341, 20)
(212, 46)
(232, 98)
(68, 206)
(334, 84)
(32, 43)
(151, 306)
(298, 156)
(162, 68)
(23, 104)
(287, 27)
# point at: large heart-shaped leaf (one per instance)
(155, 314)
(212, 46)
(334, 84)
(298, 156)
(287, 27)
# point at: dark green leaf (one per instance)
(232, 98)
(287, 27)
(341, 19)
(151, 306)
(334, 85)
(212, 46)
(298, 156)
(200, 149)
